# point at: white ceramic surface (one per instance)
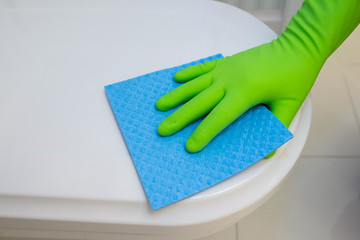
(64, 164)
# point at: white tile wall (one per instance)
(334, 130)
(320, 201)
(347, 53)
(274, 13)
(268, 11)
(227, 234)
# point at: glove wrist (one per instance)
(319, 27)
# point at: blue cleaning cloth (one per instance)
(167, 171)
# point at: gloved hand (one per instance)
(278, 74)
(228, 87)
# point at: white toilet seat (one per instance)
(65, 168)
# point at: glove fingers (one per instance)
(191, 111)
(183, 93)
(219, 118)
(194, 71)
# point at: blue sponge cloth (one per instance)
(167, 171)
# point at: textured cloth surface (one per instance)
(169, 173)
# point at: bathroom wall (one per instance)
(274, 13)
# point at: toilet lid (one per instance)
(62, 155)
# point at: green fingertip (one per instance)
(192, 146)
(167, 127)
(179, 77)
(161, 105)
(271, 154)
(163, 130)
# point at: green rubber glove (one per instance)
(278, 74)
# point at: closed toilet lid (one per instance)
(64, 164)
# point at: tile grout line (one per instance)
(236, 231)
(352, 103)
(347, 88)
(328, 156)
